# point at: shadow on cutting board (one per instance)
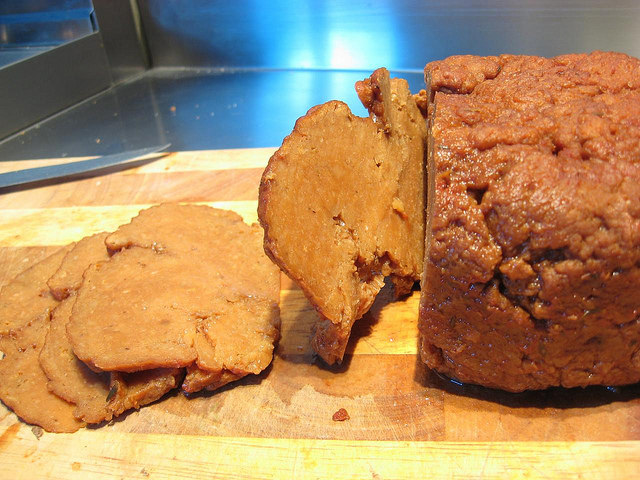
(555, 397)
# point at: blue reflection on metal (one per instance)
(283, 34)
(191, 109)
(402, 35)
(38, 23)
(325, 34)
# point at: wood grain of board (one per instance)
(405, 421)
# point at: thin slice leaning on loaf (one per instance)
(98, 396)
(532, 271)
(25, 309)
(342, 205)
(189, 286)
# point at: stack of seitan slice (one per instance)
(342, 204)
(26, 305)
(125, 314)
(98, 395)
(186, 288)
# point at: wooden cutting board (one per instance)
(405, 422)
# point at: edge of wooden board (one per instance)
(100, 454)
(33, 226)
(170, 161)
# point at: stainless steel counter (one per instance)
(230, 75)
(193, 109)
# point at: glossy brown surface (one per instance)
(534, 266)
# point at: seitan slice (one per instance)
(28, 293)
(189, 285)
(68, 277)
(25, 313)
(134, 390)
(67, 376)
(342, 204)
(98, 396)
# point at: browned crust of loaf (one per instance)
(370, 94)
(462, 73)
(549, 296)
(330, 338)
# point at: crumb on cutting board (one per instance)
(340, 416)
